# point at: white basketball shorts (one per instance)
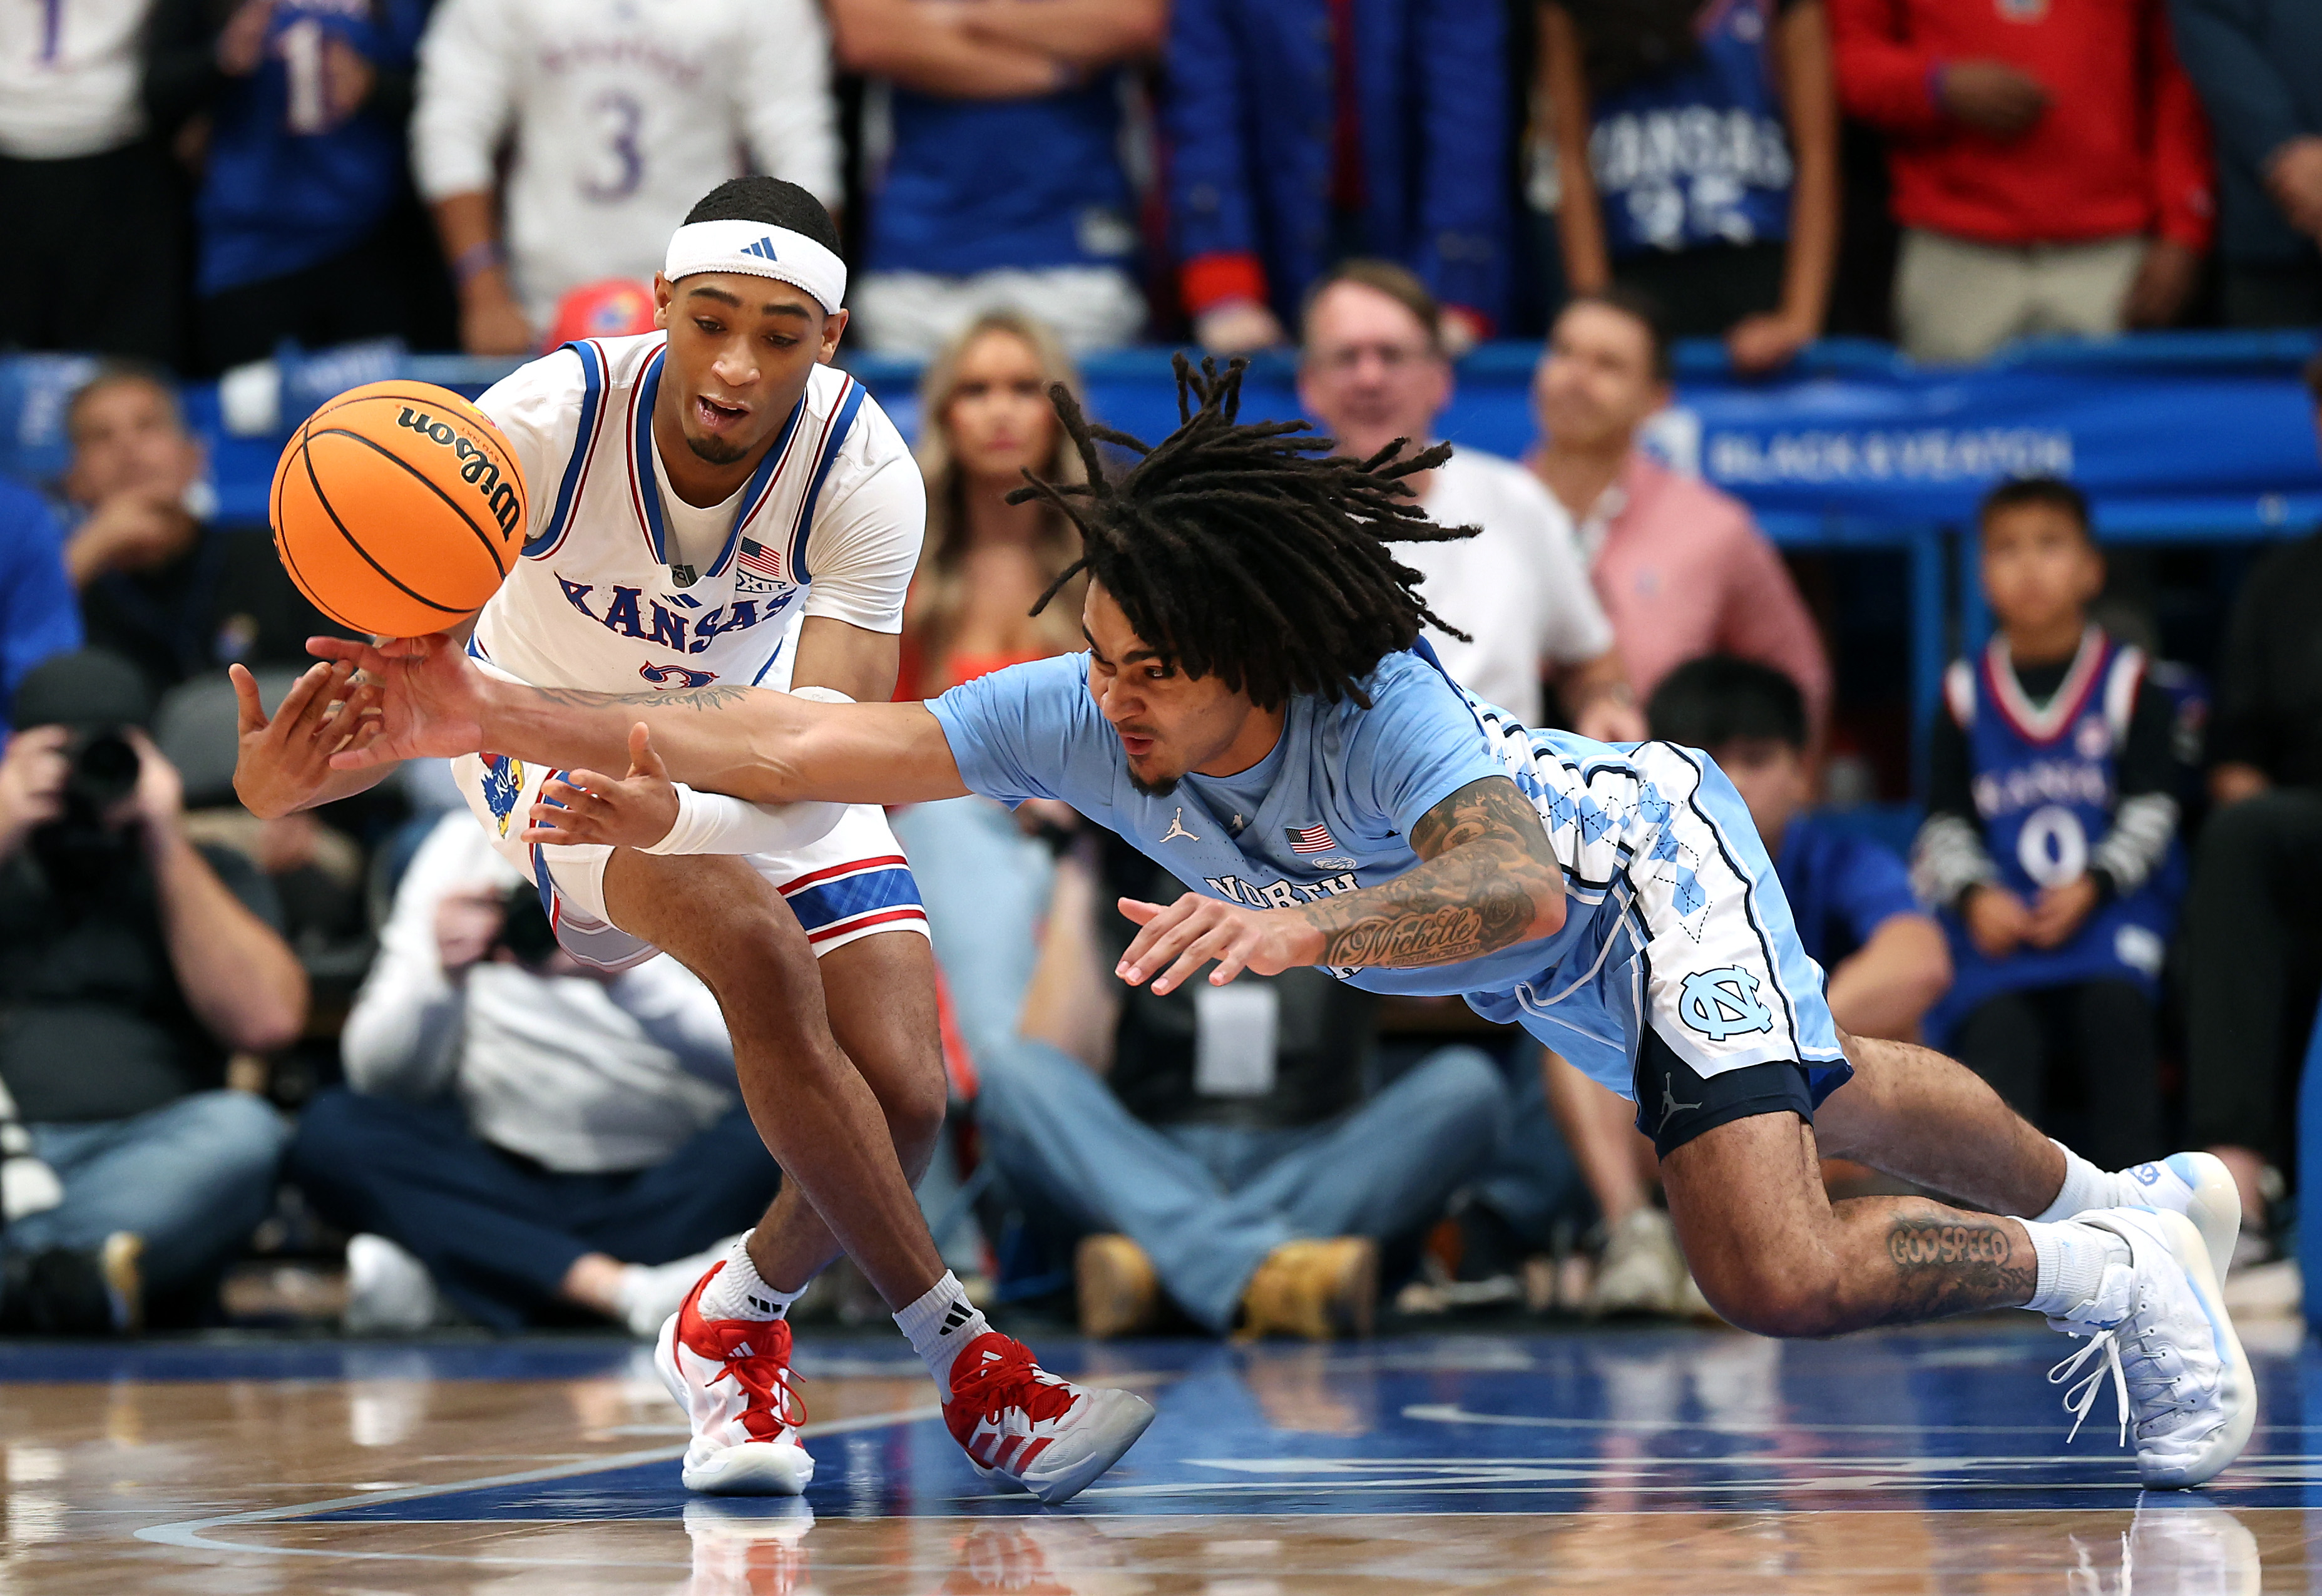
(853, 882)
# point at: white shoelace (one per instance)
(2080, 1396)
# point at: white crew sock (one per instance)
(2086, 1187)
(2072, 1261)
(939, 1324)
(737, 1292)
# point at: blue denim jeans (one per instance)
(193, 1179)
(985, 885)
(1207, 1203)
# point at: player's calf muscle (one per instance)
(1773, 1254)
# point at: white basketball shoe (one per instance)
(2158, 1327)
(733, 1379)
(2198, 1186)
(1024, 1427)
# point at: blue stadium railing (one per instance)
(2177, 437)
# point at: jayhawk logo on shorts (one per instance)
(503, 785)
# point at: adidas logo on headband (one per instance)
(756, 249)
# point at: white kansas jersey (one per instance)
(68, 77)
(620, 115)
(623, 586)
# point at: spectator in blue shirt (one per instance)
(1302, 132)
(38, 615)
(299, 106)
(2258, 66)
(1737, 233)
(1002, 186)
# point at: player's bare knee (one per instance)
(1789, 1296)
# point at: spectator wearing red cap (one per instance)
(2051, 164)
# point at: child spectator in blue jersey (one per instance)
(1736, 232)
(2050, 843)
(1002, 185)
(298, 108)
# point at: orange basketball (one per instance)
(398, 508)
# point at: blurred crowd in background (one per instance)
(332, 1067)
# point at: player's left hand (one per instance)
(2058, 913)
(1179, 939)
(635, 812)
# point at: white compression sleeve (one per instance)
(714, 823)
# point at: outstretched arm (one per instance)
(753, 744)
(1487, 880)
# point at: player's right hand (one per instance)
(429, 697)
(283, 761)
(583, 806)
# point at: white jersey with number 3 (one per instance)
(618, 114)
(623, 586)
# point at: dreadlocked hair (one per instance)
(1249, 551)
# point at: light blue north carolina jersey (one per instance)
(1675, 916)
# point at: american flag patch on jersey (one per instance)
(1311, 839)
(756, 567)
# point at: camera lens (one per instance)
(103, 772)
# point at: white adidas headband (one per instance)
(755, 248)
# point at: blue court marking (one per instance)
(1627, 1420)
(523, 1358)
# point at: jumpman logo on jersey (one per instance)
(1177, 828)
(1670, 1105)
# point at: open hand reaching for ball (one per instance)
(583, 806)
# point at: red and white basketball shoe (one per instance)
(1024, 1427)
(733, 1379)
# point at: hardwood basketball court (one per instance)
(1639, 1462)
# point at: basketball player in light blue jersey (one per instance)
(1256, 713)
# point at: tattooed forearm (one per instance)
(709, 697)
(1948, 1262)
(1487, 880)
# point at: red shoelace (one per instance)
(1009, 1378)
(764, 1374)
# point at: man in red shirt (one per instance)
(2051, 164)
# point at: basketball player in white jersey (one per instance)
(712, 504)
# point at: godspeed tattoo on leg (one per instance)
(1953, 1262)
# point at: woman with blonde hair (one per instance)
(983, 873)
(985, 419)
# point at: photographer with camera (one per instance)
(132, 964)
(524, 1136)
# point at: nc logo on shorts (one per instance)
(1722, 1003)
(503, 785)
(2146, 1173)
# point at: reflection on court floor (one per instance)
(1640, 1461)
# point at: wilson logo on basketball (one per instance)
(475, 467)
(398, 508)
